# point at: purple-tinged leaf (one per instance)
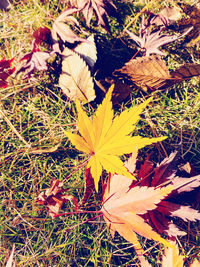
(60, 30)
(151, 41)
(101, 8)
(5, 5)
(35, 61)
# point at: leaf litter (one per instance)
(135, 201)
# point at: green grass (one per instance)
(38, 112)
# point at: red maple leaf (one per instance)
(161, 218)
(53, 198)
(42, 35)
(35, 60)
(5, 71)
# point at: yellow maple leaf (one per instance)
(105, 138)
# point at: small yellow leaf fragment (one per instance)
(172, 256)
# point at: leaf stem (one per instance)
(93, 218)
(80, 166)
(77, 212)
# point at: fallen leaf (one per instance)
(196, 263)
(53, 198)
(5, 5)
(75, 79)
(104, 139)
(161, 217)
(123, 206)
(169, 14)
(42, 35)
(121, 90)
(89, 186)
(166, 17)
(152, 73)
(61, 30)
(88, 51)
(150, 40)
(172, 257)
(99, 7)
(194, 20)
(35, 61)
(5, 71)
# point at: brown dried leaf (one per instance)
(194, 20)
(152, 73)
(121, 90)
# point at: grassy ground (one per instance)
(33, 114)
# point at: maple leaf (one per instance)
(5, 5)
(42, 35)
(5, 71)
(150, 40)
(196, 263)
(36, 60)
(123, 206)
(75, 79)
(61, 30)
(104, 139)
(172, 257)
(53, 198)
(100, 8)
(161, 217)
